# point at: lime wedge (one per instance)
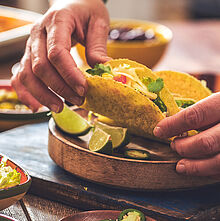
(100, 141)
(119, 135)
(71, 122)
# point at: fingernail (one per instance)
(76, 100)
(181, 168)
(80, 90)
(55, 108)
(158, 132)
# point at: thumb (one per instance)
(96, 41)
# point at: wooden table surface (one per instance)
(195, 48)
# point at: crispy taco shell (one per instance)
(184, 85)
(124, 105)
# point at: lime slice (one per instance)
(71, 122)
(100, 141)
(119, 135)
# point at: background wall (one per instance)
(149, 9)
(141, 9)
(137, 9)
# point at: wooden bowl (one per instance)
(9, 196)
(73, 155)
(96, 215)
(13, 118)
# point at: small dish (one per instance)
(96, 215)
(14, 118)
(9, 196)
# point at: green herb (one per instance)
(156, 86)
(99, 69)
(184, 103)
(160, 104)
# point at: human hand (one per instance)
(201, 152)
(47, 65)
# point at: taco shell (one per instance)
(184, 85)
(123, 104)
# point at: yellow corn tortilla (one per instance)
(184, 85)
(164, 94)
(123, 104)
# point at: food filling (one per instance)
(127, 75)
(8, 177)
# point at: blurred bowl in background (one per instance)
(144, 49)
(15, 26)
(13, 117)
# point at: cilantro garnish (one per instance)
(99, 69)
(156, 86)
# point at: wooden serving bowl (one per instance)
(9, 196)
(158, 174)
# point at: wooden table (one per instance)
(195, 48)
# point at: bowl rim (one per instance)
(18, 189)
(59, 133)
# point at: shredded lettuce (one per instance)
(8, 177)
(99, 69)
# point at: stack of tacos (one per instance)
(129, 94)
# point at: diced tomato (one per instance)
(121, 78)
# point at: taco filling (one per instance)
(126, 74)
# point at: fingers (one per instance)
(200, 167)
(201, 114)
(204, 144)
(44, 70)
(37, 88)
(58, 46)
(97, 36)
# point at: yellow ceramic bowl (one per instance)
(146, 52)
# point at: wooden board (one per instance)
(72, 154)
(27, 146)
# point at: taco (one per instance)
(130, 94)
(185, 88)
